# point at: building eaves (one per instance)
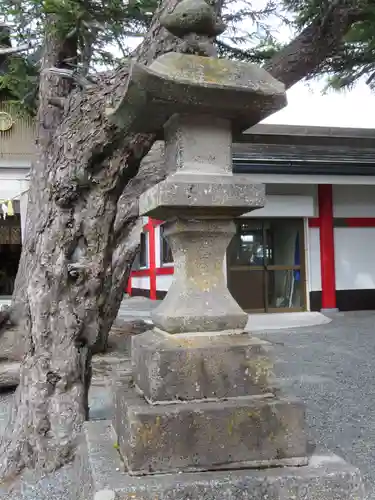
(302, 159)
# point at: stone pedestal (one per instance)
(205, 402)
(198, 299)
(175, 368)
(326, 477)
(245, 432)
(199, 202)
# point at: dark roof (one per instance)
(305, 150)
(269, 129)
(315, 154)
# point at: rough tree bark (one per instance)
(318, 41)
(81, 236)
(127, 227)
(84, 165)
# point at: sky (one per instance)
(306, 103)
(307, 106)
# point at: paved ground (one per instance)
(331, 367)
(140, 307)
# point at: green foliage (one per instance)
(258, 54)
(94, 23)
(355, 58)
(250, 34)
(19, 82)
(103, 29)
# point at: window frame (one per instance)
(145, 265)
(163, 241)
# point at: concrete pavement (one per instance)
(140, 307)
(331, 367)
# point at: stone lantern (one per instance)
(201, 416)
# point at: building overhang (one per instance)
(302, 150)
(359, 180)
(15, 164)
(243, 165)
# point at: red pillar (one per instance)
(129, 286)
(152, 258)
(327, 246)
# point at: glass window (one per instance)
(284, 238)
(265, 264)
(143, 251)
(136, 264)
(246, 248)
(285, 289)
(166, 256)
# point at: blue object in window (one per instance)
(297, 258)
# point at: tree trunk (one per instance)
(127, 228)
(77, 254)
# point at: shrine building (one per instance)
(311, 247)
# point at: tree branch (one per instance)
(152, 170)
(14, 50)
(303, 56)
(59, 102)
(82, 81)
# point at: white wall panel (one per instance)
(306, 260)
(314, 277)
(11, 188)
(164, 282)
(142, 282)
(157, 247)
(354, 258)
(285, 206)
(354, 201)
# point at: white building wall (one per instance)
(313, 255)
(353, 246)
(353, 201)
(285, 206)
(164, 282)
(354, 258)
(142, 282)
(354, 264)
(158, 262)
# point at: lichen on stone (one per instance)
(192, 16)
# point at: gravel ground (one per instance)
(330, 367)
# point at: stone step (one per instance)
(102, 475)
(195, 366)
(233, 433)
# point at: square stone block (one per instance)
(101, 475)
(195, 367)
(199, 194)
(239, 432)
